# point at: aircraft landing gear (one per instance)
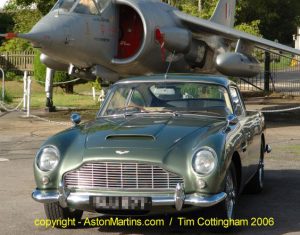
(49, 90)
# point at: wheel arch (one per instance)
(263, 140)
(238, 168)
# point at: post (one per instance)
(3, 84)
(49, 90)
(94, 93)
(25, 81)
(102, 96)
(28, 96)
(267, 74)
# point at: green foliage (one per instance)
(12, 76)
(278, 19)
(7, 97)
(40, 71)
(251, 28)
(96, 84)
(205, 9)
(43, 6)
(199, 8)
(23, 20)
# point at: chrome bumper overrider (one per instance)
(82, 200)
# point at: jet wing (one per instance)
(198, 25)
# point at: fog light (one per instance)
(45, 180)
(201, 184)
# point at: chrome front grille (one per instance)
(113, 175)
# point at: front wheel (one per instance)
(55, 212)
(226, 209)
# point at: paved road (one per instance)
(20, 139)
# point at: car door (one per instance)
(247, 138)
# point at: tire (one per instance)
(55, 212)
(226, 209)
(256, 184)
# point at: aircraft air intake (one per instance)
(131, 32)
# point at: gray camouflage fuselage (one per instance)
(117, 38)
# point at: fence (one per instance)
(280, 73)
(17, 62)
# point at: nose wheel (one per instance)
(49, 90)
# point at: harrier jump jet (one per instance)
(116, 38)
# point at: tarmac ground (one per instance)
(21, 137)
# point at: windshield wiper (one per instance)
(201, 113)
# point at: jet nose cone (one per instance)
(42, 34)
(37, 39)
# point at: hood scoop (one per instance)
(131, 137)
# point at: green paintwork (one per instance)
(162, 139)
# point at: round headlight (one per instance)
(48, 158)
(205, 161)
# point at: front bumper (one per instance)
(82, 200)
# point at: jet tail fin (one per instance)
(224, 13)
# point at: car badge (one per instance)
(122, 152)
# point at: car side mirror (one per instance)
(75, 118)
(232, 120)
(238, 111)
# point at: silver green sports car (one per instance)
(175, 142)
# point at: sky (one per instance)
(2, 3)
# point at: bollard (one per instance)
(28, 96)
(25, 79)
(102, 96)
(3, 84)
(94, 93)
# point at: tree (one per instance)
(278, 19)
(19, 19)
(44, 6)
(6, 24)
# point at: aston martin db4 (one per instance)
(158, 143)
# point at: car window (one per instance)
(118, 101)
(238, 105)
(168, 97)
(137, 99)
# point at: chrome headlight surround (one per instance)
(204, 161)
(47, 158)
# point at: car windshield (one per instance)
(167, 97)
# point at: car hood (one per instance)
(147, 132)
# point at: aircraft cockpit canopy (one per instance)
(88, 7)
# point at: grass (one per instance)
(291, 149)
(60, 99)
(7, 97)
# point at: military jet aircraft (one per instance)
(116, 38)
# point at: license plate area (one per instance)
(121, 203)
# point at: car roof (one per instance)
(205, 78)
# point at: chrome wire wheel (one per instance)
(231, 195)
